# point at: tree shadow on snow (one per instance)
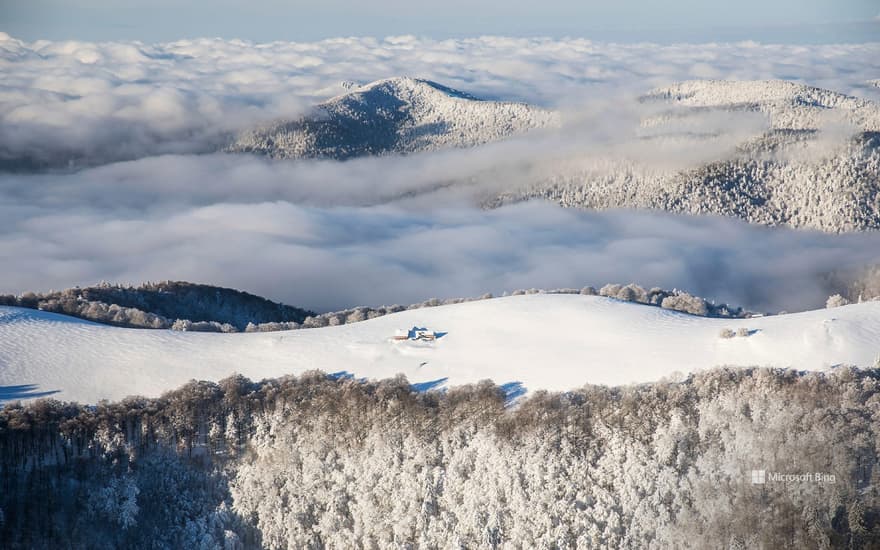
(22, 391)
(430, 385)
(513, 391)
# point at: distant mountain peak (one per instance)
(396, 115)
(399, 85)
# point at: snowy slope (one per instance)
(395, 115)
(554, 342)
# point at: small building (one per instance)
(422, 334)
(417, 333)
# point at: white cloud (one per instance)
(270, 229)
(99, 102)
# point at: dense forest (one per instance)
(321, 461)
(190, 306)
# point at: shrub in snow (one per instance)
(271, 327)
(836, 300)
(357, 315)
(726, 333)
(610, 290)
(742, 331)
(212, 326)
(315, 322)
(686, 303)
(632, 293)
(627, 294)
(336, 320)
(186, 325)
(182, 325)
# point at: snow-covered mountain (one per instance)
(770, 152)
(788, 105)
(395, 115)
(541, 341)
(816, 163)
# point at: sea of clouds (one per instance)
(109, 173)
(274, 228)
(91, 103)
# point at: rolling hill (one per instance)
(530, 342)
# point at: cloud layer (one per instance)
(90, 103)
(270, 228)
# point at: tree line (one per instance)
(191, 307)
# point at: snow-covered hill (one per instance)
(395, 115)
(788, 105)
(772, 152)
(816, 165)
(554, 342)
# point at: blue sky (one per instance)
(792, 21)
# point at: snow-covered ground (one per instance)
(554, 342)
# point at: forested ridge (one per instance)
(331, 462)
(168, 304)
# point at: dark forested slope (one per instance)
(159, 305)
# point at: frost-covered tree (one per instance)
(687, 303)
(836, 300)
(116, 502)
(314, 461)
